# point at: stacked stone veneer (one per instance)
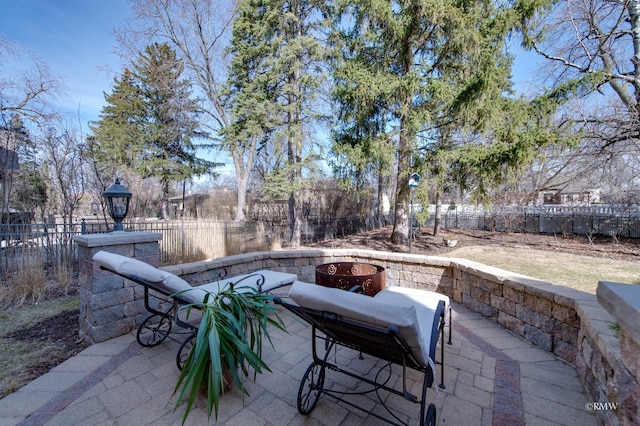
(569, 323)
(110, 305)
(540, 312)
(621, 364)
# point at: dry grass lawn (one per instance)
(571, 270)
(26, 350)
(574, 261)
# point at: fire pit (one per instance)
(346, 275)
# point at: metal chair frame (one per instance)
(161, 325)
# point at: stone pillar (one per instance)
(623, 303)
(111, 306)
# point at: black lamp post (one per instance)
(118, 198)
(413, 183)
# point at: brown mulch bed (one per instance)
(426, 243)
(59, 331)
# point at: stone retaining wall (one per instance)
(618, 359)
(540, 312)
(569, 323)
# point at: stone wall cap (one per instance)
(622, 301)
(116, 238)
(294, 254)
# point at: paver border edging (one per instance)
(507, 394)
(61, 401)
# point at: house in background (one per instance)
(568, 196)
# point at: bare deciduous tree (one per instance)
(592, 51)
(62, 149)
(593, 48)
(199, 30)
(28, 88)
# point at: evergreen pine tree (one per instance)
(274, 78)
(116, 141)
(422, 73)
(151, 122)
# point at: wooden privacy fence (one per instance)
(187, 240)
(184, 241)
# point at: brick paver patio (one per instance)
(492, 377)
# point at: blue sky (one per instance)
(74, 38)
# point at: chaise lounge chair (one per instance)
(165, 292)
(400, 326)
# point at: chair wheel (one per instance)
(430, 417)
(310, 388)
(185, 348)
(154, 330)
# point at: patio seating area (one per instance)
(492, 376)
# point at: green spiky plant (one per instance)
(231, 332)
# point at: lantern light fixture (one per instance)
(118, 198)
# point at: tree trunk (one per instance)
(438, 215)
(165, 200)
(184, 194)
(294, 148)
(296, 138)
(295, 200)
(380, 182)
(243, 173)
(295, 225)
(400, 234)
(242, 180)
(634, 17)
(5, 194)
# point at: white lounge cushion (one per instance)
(381, 312)
(426, 306)
(421, 294)
(166, 281)
(172, 284)
(128, 266)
